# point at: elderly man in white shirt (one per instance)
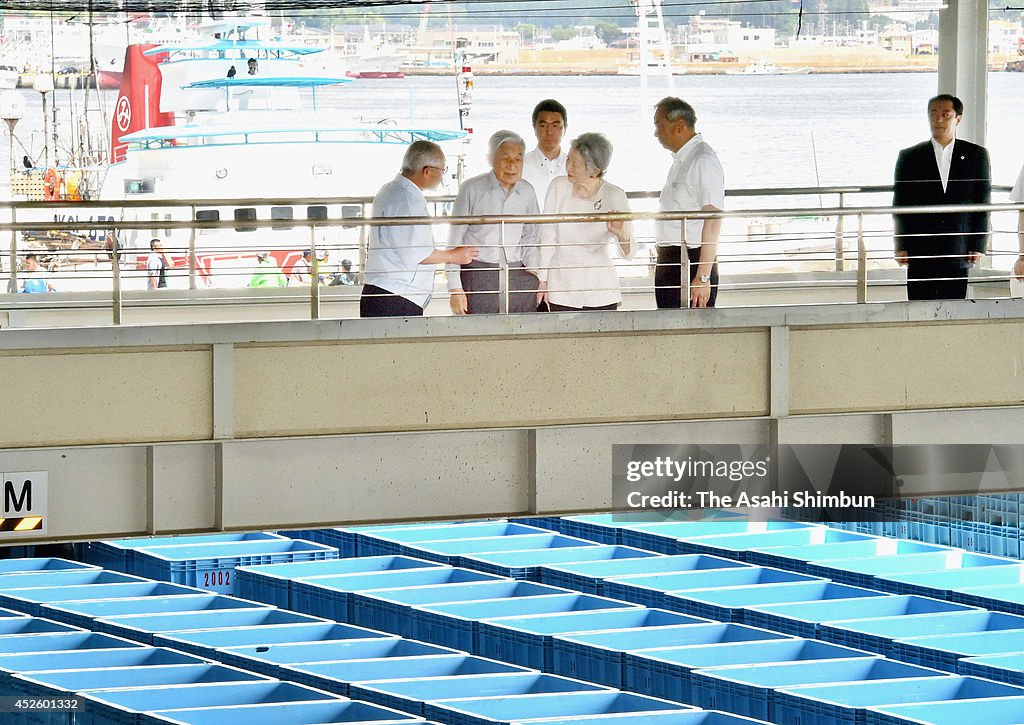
(695, 182)
(400, 260)
(509, 256)
(546, 162)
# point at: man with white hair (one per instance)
(508, 256)
(400, 260)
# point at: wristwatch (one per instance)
(704, 278)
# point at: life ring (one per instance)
(51, 184)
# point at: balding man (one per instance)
(478, 287)
(400, 260)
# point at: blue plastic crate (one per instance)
(411, 695)
(272, 584)
(455, 625)
(268, 659)
(212, 566)
(31, 601)
(998, 711)
(205, 642)
(71, 577)
(291, 713)
(1007, 598)
(650, 590)
(874, 572)
(940, 584)
(846, 703)
(341, 539)
(83, 613)
(338, 676)
(738, 546)
(491, 710)
(589, 577)
(601, 656)
(459, 551)
(1002, 668)
(985, 538)
(921, 527)
(528, 640)
(127, 654)
(118, 554)
(389, 609)
(401, 539)
(797, 558)
(526, 564)
(750, 690)
(330, 596)
(551, 523)
(687, 717)
(666, 537)
(125, 706)
(41, 565)
(144, 627)
(944, 650)
(608, 528)
(666, 672)
(730, 604)
(804, 618)
(877, 635)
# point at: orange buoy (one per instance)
(51, 184)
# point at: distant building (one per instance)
(708, 39)
(1004, 37)
(481, 46)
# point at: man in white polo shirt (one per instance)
(400, 260)
(546, 162)
(695, 182)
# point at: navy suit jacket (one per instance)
(917, 183)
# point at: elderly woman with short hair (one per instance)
(577, 271)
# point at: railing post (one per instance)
(862, 262)
(314, 276)
(12, 284)
(503, 303)
(192, 262)
(362, 243)
(684, 266)
(840, 234)
(115, 268)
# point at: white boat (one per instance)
(9, 77)
(192, 122)
(374, 59)
(764, 68)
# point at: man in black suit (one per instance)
(938, 249)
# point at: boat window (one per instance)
(316, 212)
(283, 213)
(351, 211)
(245, 214)
(207, 215)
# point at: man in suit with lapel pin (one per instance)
(937, 249)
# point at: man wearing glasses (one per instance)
(401, 260)
(938, 249)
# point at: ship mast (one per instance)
(654, 51)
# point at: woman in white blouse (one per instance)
(576, 270)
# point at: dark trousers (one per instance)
(481, 282)
(936, 279)
(668, 276)
(562, 308)
(378, 302)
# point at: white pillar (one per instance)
(963, 55)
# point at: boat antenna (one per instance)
(817, 174)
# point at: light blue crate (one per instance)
(738, 546)
(1002, 668)
(1007, 598)
(940, 584)
(874, 572)
(127, 706)
(83, 613)
(666, 672)
(999, 711)
(330, 596)
(804, 618)
(456, 551)
(32, 600)
(285, 714)
(846, 703)
(797, 558)
(118, 554)
(600, 656)
(401, 539)
(32, 625)
(205, 642)
(985, 538)
(341, 539)
(72, 577)
(528, 640)
(268, 659)
(127, 655)
(750, 690)
(455, 625)
(688, 717)
(17, 644)
(526, 564)
(41, 565)
(212, 566)
(411, 695)
(589, 577)
(730, 604)
(608, 528)
(491, 710)
(271, 584)
(666, 537)
(389, 609)
(144, 627)
(339, 675)
(943, 651)
(650, 590)
(877, 635)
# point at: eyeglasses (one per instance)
(437, 168)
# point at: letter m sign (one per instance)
(25, 498)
